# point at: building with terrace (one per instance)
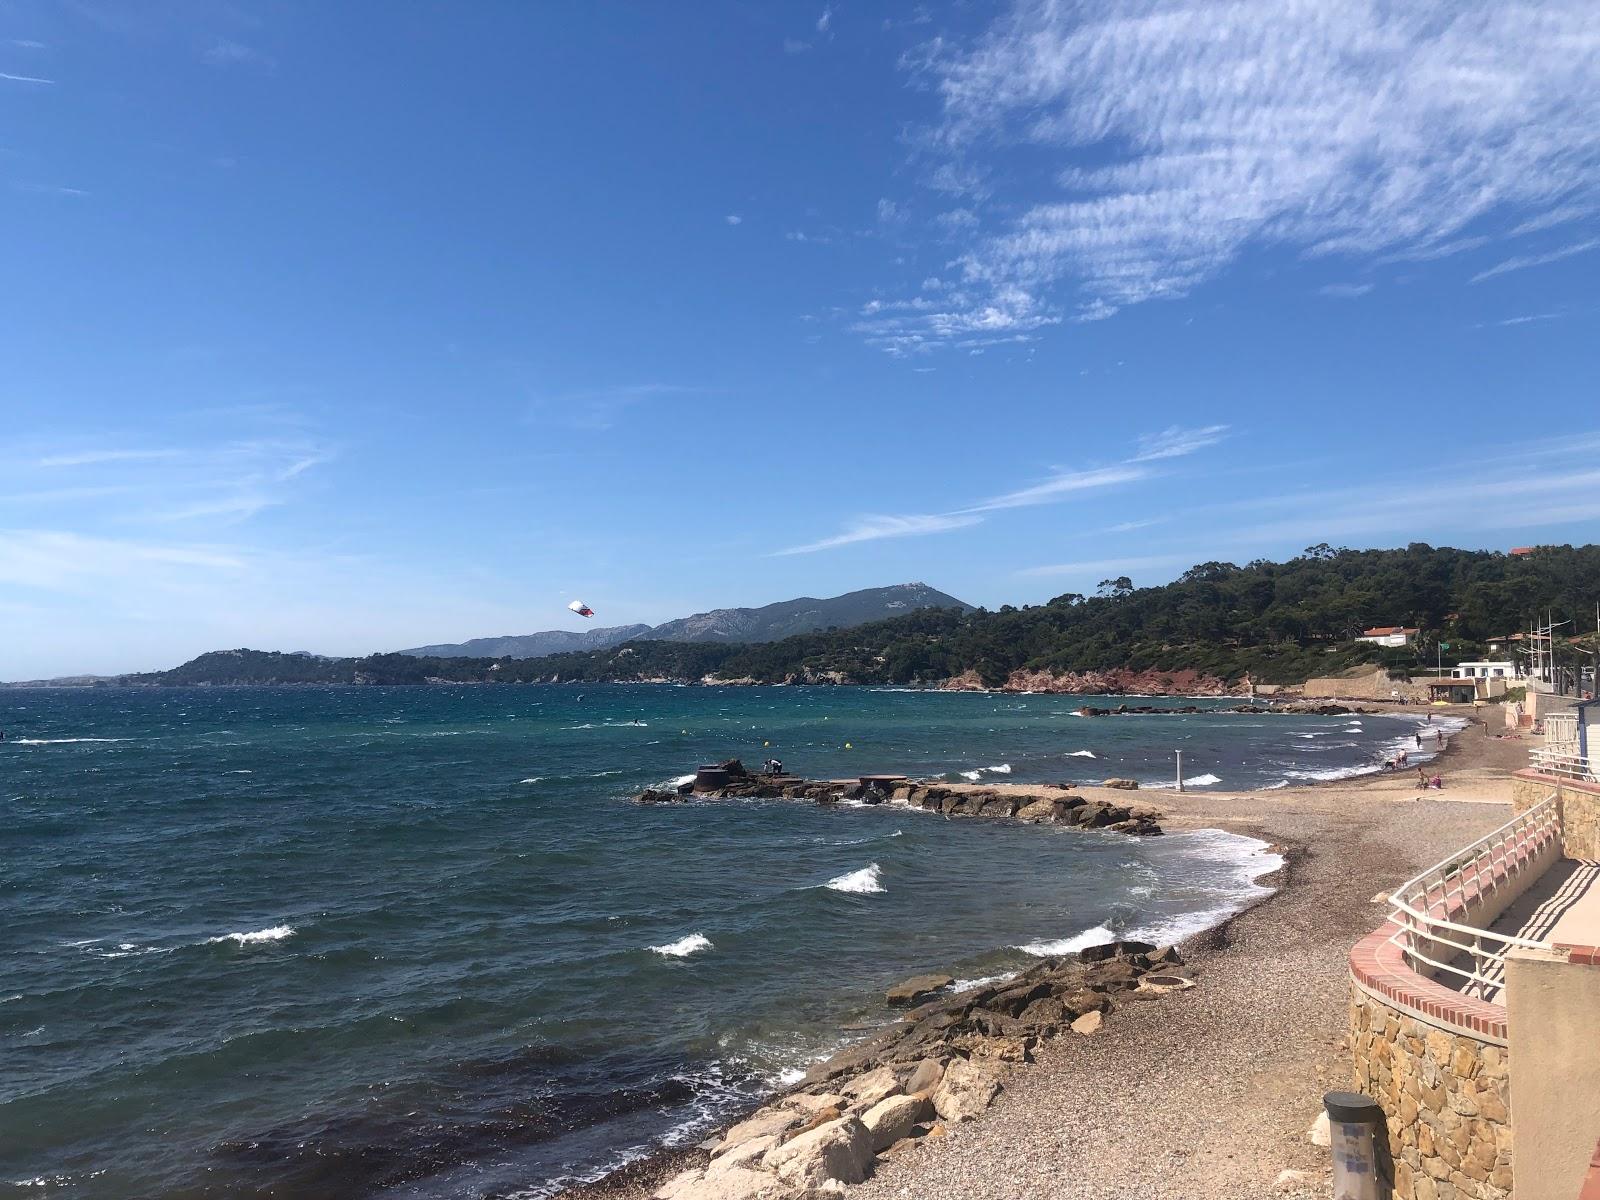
(1475, 1010)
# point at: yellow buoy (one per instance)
(848, 746)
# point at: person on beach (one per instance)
(1422, 777)
(1436, 782)
(1438, 738)
(1419, 739)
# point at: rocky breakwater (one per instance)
(1049, 803)
(944, 1063)
(1255, 710)
(1119, 681)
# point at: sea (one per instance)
(417, 942)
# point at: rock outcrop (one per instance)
(1050, 803)
(945, 1062)
(1119, 681)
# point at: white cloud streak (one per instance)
(1523, 261)
(24, 78)
(875, 528)
(1173, 442)
(1184, 134)
(1176, 441)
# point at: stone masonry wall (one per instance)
(1375, 685)
(1580, 810)
(1447, 1100)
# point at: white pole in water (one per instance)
(1180, 770)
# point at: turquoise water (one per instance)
(416, 942)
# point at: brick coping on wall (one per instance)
(1379, 968)
(1558, 781)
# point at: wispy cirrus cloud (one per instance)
(1174, 442)
(1523, 261)
(85, 458)
(23, 78)
(1175, 136)
(875, 528)
(96, 486)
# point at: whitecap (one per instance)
(972, 775)
(1081, 754)
(684, 946)
(966, 985)
(1201, 781)
(680, 781)
(531, 779)
(274, 933)
(1002, 769)
(863, 882)
(1098, 936)
(62, 741)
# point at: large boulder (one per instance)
(894, 1118)
(1129, 785)
(766, 1122)
(1038, 810)
(840, 1151)
(966, 1090)
(924, 1077)
(747, 1155)
(875, 1085)
(740, 1183)
(915, 990)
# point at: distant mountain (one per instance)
(533, 645)
(769, 623)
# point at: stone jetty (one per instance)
(944, 1063)
(1047, 803)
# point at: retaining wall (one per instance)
(1437, 1061)
(1579, 804)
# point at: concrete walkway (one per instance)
(1562, 906)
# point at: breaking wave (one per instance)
(684, 946)
(274, 933)
(863, 882)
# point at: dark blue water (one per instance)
(416, 942)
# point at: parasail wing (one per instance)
(582, 609)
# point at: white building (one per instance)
(1484, 670)
(1389, 635)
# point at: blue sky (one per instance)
(349, 327)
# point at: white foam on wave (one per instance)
(1250, 860)
(62, 741)
(680, 780)
(966, 985)
(864, 882)
(972, 775)
(531, 779)
(1002, 769)
(1098, 936)
(1201, 781)
(273, 933)
(684, 946)
(1081, 754)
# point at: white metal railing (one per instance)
(1435, 945)
(1561, 764)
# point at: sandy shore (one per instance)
(1209, 1092)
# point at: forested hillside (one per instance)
(1280, 622)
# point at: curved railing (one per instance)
(1563, 766)
(1422, 907)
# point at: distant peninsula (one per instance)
(1216, 625)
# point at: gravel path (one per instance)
(1210, 1092)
